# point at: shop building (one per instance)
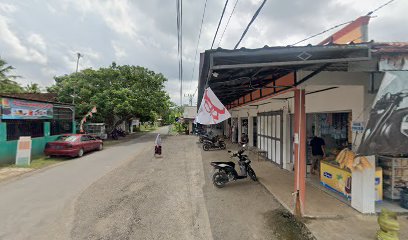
(189, 115)
(282, 96)
(39, 116)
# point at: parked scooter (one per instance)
(207, 136)
(225, 171)
(215, 143)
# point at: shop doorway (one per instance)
(334, 128)
(270, 135)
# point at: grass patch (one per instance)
(44, 162)
(36, 163)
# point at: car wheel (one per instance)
(100, 147)
(81, 152)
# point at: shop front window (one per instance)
(62, 121)
(17, 128)
(61, 127)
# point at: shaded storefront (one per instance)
(293, 93)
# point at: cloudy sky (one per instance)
(40, 38)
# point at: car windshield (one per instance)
(67, 138)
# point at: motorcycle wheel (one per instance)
(252, 174)
(206, 147)
(220, 179)
(223, 146)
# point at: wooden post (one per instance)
(300, 151)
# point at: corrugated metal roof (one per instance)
(39, 97)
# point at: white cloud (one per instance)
(16, 48)
(116, 14)
(7, 8)
(36, 40)
(119, 51)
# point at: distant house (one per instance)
(189, 114)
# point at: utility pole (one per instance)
(77, 65)
(190, 98)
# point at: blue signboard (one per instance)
(22, 109)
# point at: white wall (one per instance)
(351, 95)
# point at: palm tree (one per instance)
(32, 88)
(7, 85)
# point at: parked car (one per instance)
(72, 145)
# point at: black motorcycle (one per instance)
(215, 143)
(225, 171)
(205, 136)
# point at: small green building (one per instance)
(38, 115)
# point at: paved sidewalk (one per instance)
(327, 217)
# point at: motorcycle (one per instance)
(205, 136)
(225, 171)
(214, 143)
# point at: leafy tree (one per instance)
(32, 88)
(119, 93)
(7, 85)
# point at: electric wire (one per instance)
(181, 51)
(341, 24)
(250, 22)
(226, 26)
(322, 32)
(179, 10)
(198, 42)
(375, 10)
(219, 23)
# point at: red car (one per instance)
(72, 145)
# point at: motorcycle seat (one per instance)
(232, 164)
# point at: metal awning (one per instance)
(232, 74)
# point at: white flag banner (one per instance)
(211, 110)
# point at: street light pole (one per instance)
(78, 57)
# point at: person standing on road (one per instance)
(157, 147)
(318, 153)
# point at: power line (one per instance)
(375, 10)
(322, 32)
(179, 6)
(181, 52)
(198, 41)
(249, 24)
(226, 26)
(219, 23)
(341, 24)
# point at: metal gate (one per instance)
(270, 135)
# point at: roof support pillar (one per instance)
(300, 151)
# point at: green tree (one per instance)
(32, 88)
(7, 85)
(119, 93)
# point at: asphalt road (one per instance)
(41, 205)
(124, 192)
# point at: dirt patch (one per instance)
(286, 227)
(9, 172)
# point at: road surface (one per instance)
(123, 192)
